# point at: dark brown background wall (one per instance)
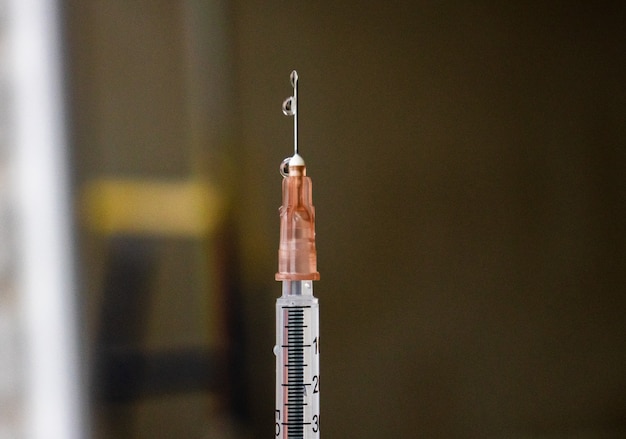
(468, 163)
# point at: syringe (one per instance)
(297, 414)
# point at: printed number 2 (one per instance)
(316, 423)
(316, 384)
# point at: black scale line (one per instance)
(295, 372)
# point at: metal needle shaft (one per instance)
(294, 83)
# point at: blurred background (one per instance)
(468, 163)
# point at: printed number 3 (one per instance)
(316, 423)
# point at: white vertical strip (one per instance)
(51, 373)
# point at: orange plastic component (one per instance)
(297, 257)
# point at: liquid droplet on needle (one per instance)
(289, 106)
(294, 78)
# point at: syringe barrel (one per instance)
(297, 414)
(297, 256)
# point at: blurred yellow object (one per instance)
(182, 208)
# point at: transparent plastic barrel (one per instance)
(297, 414)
